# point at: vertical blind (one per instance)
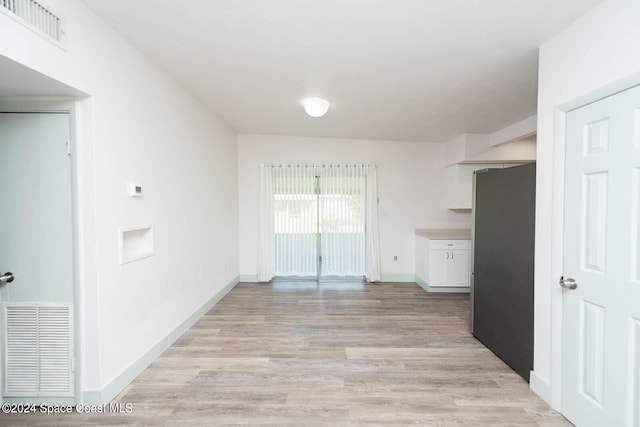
(295, 220)
(310, 213)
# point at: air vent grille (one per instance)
(38, 350)
(35, 16)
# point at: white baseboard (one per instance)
(249, 278)
(421, 283)
(540, 387)
(449, 290)
(398, 278)
(435, 289)
(115, 387)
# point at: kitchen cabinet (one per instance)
(448, 263)
(442, 265)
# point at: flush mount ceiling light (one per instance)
(315, 107)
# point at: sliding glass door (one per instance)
(342, 222)
(319, 221)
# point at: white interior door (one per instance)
(37, 247)
(601, 317)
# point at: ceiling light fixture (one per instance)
(315, 107)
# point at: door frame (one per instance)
(554, 396)
(68, 107)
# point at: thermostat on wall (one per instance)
(134, 190)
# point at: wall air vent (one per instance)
(38, 18)
(38, 350)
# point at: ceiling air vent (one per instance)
(38, 18)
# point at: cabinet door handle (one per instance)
(447, 254)
(451, 255)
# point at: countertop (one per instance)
(445, 233)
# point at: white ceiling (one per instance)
(408, 70)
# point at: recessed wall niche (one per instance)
(135, 243)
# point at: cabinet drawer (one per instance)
(449, 244)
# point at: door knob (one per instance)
(7, 277)
(568, 283)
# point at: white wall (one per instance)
(410, 187)
(593, 57)
(138, 125)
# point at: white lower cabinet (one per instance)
(442, 263)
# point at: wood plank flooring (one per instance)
(333, 354)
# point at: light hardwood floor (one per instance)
(328, 354)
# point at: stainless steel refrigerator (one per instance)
(502, 263)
